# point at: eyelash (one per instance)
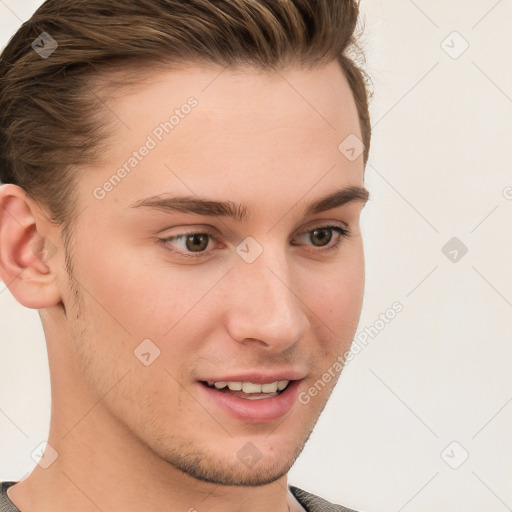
(342, 232)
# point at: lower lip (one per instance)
(255, 411)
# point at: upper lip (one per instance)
(258, 377)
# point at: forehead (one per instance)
(202, 130)
(232, 88)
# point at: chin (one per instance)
(247, 467)
(233, 476)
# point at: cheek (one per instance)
(338, 294)
(336, 301)
(144, 297)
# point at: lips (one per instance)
(253, 398)
(256, 377)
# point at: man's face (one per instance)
(272, 295)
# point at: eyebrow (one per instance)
(240, 212)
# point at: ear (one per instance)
(28, 260)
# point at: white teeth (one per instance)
(249, 387)
(281, 384)
(259, 396)
(269, 388)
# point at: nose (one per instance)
(264, 304)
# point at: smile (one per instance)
(250, 390)
(251, 402)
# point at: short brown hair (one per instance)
(51, 119)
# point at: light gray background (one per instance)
(440, 167)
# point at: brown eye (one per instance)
(326, 238)
(197, 242)
(189, 244)
(321, 236)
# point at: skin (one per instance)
(148, 432)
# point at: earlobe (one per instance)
(26, 255)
